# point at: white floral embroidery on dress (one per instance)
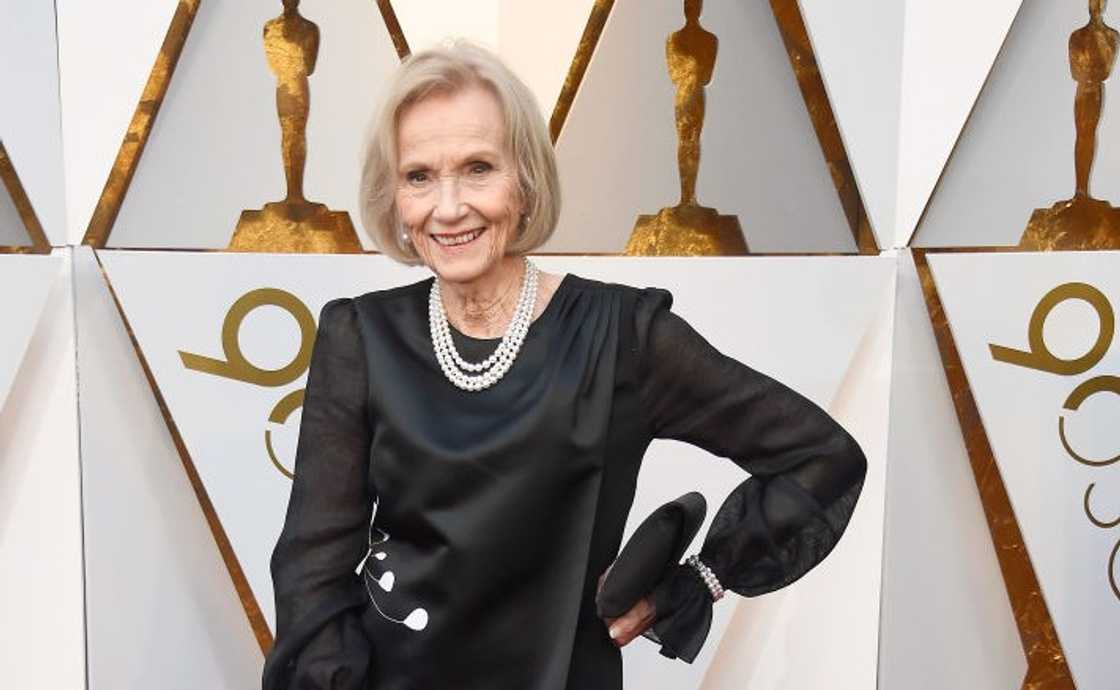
(417, 619)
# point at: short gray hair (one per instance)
(448, 69)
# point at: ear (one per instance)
(523, 222)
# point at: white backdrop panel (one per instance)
(105, 51)
(25, 282)
(161, 608)
(858, 46)
(900, 110)
(30, 124)
(427, 22)
(42, 626)
(769, 638)
(1015, 154)
(537, 37)
(950, 48)
(989, 300)
(809, 339)
(760, 158)
(946, 619)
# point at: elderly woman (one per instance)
(470, 443)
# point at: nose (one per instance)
(449, 208)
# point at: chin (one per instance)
(462, 271)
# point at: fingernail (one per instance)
(615, 631)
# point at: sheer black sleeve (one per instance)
(319, 640)
(806, 470)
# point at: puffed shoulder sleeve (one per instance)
(319, 641)
(805, 470)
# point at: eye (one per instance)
(479, 168)
(416, 177)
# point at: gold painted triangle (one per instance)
(1047, 668)
(37, 242)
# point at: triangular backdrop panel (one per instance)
(989, 300)
(902, 110)
(214, 149)
(843, 644)
(42, 591)
(537, 39)
(1015, 154)
(825, 301)
(24, 282)
(147, 545)
(947, 585)
(30, 124)
(939, 88)
(859, 52)
(760, 158)
(99, 89)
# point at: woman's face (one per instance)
(457, 191)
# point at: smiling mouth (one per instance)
(459, 238)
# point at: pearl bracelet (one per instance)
(706, 574)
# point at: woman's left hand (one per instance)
(632, 623)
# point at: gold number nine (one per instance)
(237, 367)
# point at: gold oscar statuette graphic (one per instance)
(291, 44)
(688, 229)
(1082, 222)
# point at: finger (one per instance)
(630, 627)
(634, 622)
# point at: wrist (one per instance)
(707, 576)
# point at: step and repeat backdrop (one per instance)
(902, 210)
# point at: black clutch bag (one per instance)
(652, 551)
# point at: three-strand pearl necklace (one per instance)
(476, 376)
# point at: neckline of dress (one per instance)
(548, 309)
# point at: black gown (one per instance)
(494, 512)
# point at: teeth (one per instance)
(457, 239)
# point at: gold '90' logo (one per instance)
(1039, 357)
(237, 367)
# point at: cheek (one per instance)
(501, 203)
(412, 211)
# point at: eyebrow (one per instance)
(408, 164)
